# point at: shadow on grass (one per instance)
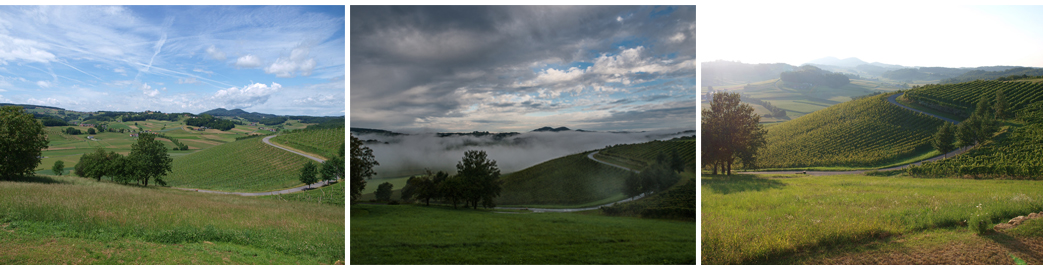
(36, 179)
(1014, 244)
(726, 184)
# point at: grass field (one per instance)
(73, 220)
(247, 165)
(418, 234)
(809, 219)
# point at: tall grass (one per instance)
(753, 219)
(99, 211)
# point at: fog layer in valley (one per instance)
(410, 154)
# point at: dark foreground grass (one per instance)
(413, 234)
(761, 219)
(77, 210)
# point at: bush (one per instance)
(979, 222)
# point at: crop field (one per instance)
(568, 180)
(332, 195)
(643, 154)
(409, 234)
(1015, 154)
(323, 142)
(73, 220)
(864, 133)
(963, 97)
(247, 165)
(791, 220)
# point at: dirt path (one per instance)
(291, 190)
(890, 99)
(591, 156)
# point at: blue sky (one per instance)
(911, 35)
(518, 68)
(286, 60)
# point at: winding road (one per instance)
(591, 156)
(291, 190)
(892, 100)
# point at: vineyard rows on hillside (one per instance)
(645, 154)
(963, 97)
(866, 132)
(322, 142)
(248, 165)
(573, 179)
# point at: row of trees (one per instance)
(208, 121)
(775, 111)
(730, 131)
(332, 169)
(655, 178)
(477, 182)
(148, 160)
(979, 127)
(814, 75)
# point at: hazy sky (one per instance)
(909, 35)
(518, 68)
(269, 59)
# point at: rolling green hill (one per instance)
(568, 180)
(960, 99)
(322, 142)
(247, 165)
(867, 132)
(640, 155)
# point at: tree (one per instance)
(427, 187)
(1001, 105)
(730, 131)
(480, 177)
(943, 139)
(409, 191)
(451, 189)
(332, 169)
(965, 134)
(362, 162)
(384, 191)
(676, 161)
(22, 139)
(308, 173)
(91, 131)
(94, 165)
(632, 185)
(151, 159)
(58, 168)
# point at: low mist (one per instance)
(411, 154)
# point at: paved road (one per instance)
(291, 190)
(591, 156)
(890, 99)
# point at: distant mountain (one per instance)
(549, 129)
(830, 60)
(717, 73)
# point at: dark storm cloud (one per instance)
(417, 62)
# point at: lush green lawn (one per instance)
(758, 219)
(247, 165)
(75, 220)
(419, 234)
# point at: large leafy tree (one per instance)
(943, 139)
(58, 168)
(362, 163)
(730, 131)
(481, 178)
(151, 159)
(384, 191)
(1001, 106)
(22, 139)
(308, 173)
(333, 168)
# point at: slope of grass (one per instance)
(77, 220)
(323, 142)
(863, 133)
(568, 180)
(410, 234)
(757, 219)
(247, 165)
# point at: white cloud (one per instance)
(120, 71)
(20, 49)
(43, 84)
(248, 96)
(619, 19)
(248, 61)
(319, 100)
(190, 80)
(215, 53)
(679, 37)
(551, 75)
(288, 67)
(148, 91)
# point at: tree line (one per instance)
(813, 75)
(774, 110)
(208, 121)
(331, 169)
(148, 160)
(476, 182)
